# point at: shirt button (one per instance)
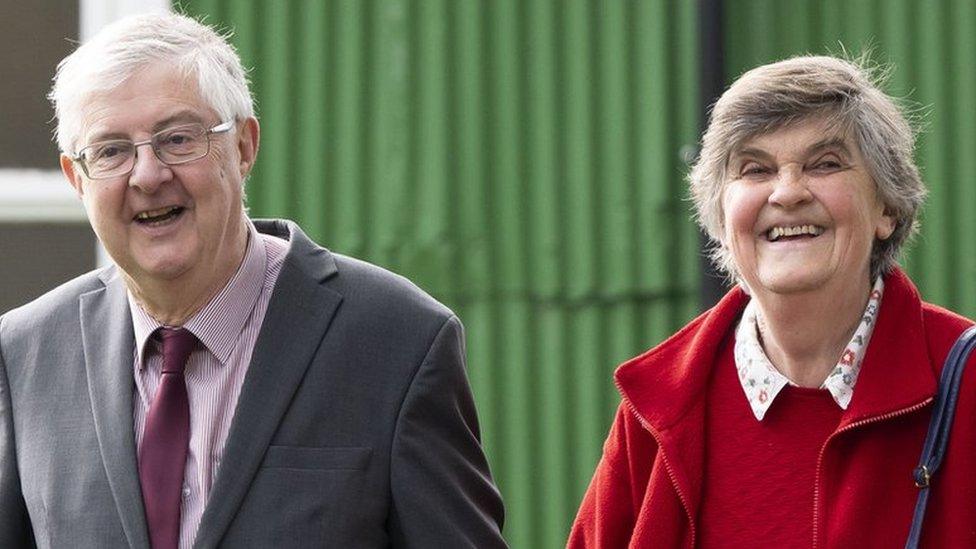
(186, 491)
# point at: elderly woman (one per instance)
(792, 414)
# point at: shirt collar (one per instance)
(761, 381)
(219, 323)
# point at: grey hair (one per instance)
(845, 93)
(128, 46)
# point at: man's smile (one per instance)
(159, 216)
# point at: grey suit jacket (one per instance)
(355, 425)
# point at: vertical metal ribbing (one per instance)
(520, 160)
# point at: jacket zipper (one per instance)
(856, 424)
(664, 458)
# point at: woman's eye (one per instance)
(827, 165)
(752, 169)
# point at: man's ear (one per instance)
(72, 174)
(248, 140)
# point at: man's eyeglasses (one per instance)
(172, 146)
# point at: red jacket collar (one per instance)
(665, 386)
(898, 370)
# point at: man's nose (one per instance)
(790, 187)
(148, 171)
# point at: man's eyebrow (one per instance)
(181, 117)
(104, 136)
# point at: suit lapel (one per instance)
(297, 318)
(108, 340)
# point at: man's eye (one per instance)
(105, 153)
(177, 138)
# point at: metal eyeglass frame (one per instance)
(223, 127)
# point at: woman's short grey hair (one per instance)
(848, 96)
(125, 47)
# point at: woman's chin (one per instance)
(790, 281)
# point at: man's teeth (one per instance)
(156, 213)
(776, 232)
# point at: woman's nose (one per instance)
(790, 187)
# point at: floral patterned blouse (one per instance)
(761, 381)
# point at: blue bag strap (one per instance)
(934, 448)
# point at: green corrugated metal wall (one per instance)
(519, 159)
(931, 46)
(522, 161)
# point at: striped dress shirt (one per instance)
(227, 328)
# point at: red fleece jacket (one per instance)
(646, 491)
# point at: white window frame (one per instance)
(37, 196)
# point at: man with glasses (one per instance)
(227, 381)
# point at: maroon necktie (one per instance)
(162, 456)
